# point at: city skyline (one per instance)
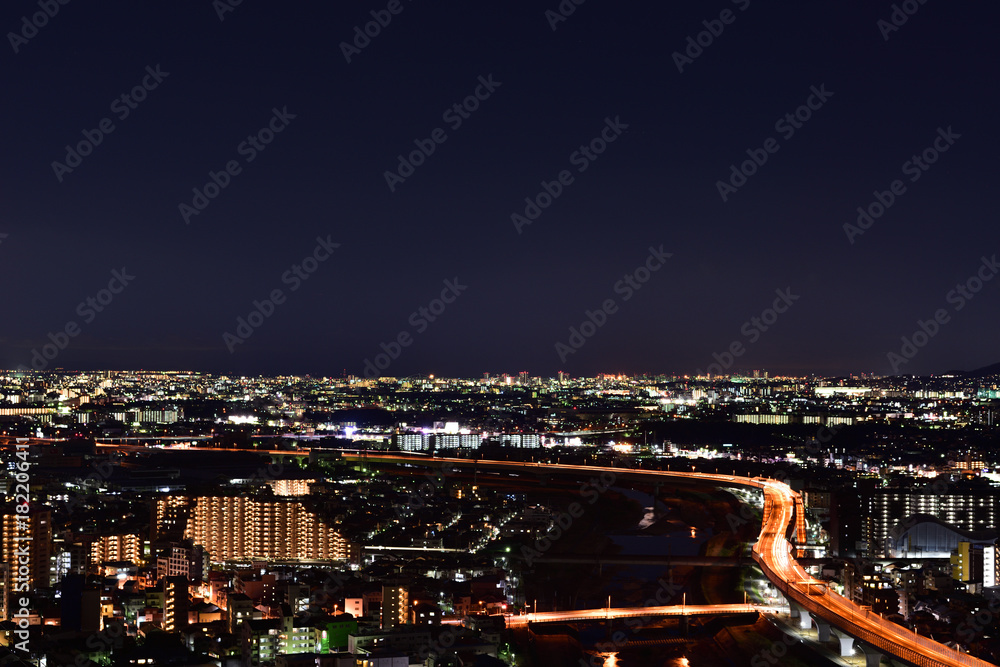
(712, 373)
(387, 333)
(509, 520)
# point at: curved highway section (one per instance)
(773, 553)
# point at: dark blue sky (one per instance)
(323, 175)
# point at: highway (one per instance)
(773, 553)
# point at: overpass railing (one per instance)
(898, 649)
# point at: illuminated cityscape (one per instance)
(436, 521)
(569, 333)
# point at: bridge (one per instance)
(667, 561)
(772, 552)
(522, 620)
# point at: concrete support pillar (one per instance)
(873, 657)
(846, 646)
(824, 629)
(805, 620)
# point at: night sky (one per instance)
(381, 247)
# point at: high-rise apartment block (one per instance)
(240, 528)
(26, 548)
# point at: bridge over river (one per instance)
(783, 513)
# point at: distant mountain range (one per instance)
(992, 369)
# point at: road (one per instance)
(773, 553)
(515, 620)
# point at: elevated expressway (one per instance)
(772, 552)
